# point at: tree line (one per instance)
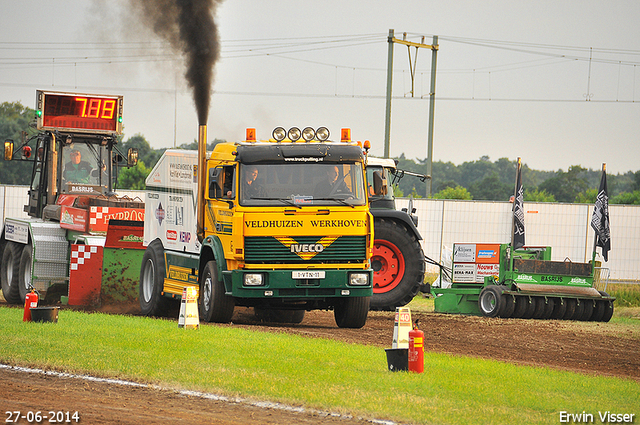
(488, 180)
(482, 179)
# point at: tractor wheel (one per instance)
(559, 309)
(351, 312)
(398, 265)
(490, 301)
(215, 305)
(509, 306)
(10, 272)
(25, 271)
(570, 310)
(152, 302)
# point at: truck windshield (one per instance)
(302, 184)
(84, 164)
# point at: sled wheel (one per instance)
(509, 305)
(559, 309)
(490, 301)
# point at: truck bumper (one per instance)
(282, 284)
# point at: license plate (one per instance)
(308, 274)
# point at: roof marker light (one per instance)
(322, 134)
(308, 134)
(294, 134)
(279, 134)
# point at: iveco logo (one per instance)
(306, 247)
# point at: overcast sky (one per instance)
(554, 82)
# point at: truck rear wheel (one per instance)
(398, 265)
(351, 312)
(214, 304)
(10, 272)
(152, 302)
(25, 271)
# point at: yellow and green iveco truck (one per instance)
(280, 225)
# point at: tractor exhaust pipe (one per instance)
(201, 174)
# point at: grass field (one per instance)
(313, 372)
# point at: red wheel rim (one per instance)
(388, 265)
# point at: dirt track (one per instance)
(591, 348)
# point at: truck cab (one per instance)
(286, 228)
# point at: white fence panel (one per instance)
(564, 227)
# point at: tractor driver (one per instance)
(77, 170)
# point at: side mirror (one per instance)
(132, 157)
(215, 189)
(8, 150)
(379, 184)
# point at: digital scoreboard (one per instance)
(79, 112)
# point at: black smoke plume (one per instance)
(189, 28)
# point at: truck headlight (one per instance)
(359, 279)
(253, 279)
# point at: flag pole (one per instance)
(515, 195)
(595, 235)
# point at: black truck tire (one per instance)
(25, 272)
(152, 302)
(398, 265)
(351, 312)
(214, 304)
(10, 272)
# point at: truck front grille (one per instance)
(269, 250)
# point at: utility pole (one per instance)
(432, 107)
(387, 121)
(432, 95)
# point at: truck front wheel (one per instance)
(215, 305)
(351, 312)
(152, 302)
(10, 272)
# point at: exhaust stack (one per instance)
(201, 174)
